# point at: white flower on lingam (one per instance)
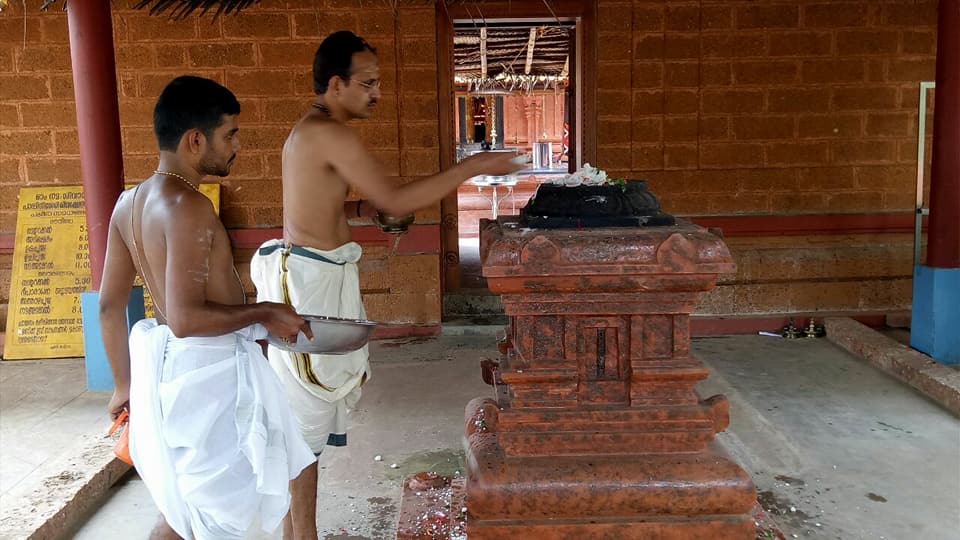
(593, 176)
(588, 175)
(571, 180)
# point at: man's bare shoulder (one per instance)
(312, 130)
(124, 200)
(192, 206)
(174, 206)
(121, 210)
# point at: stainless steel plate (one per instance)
(494, 180)
(331, 335)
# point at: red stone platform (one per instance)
(597, 430)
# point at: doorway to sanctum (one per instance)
(512, 91)
(510, 81)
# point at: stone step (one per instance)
(478, 325)
(529, 419)
(456, 305)
(683, 485)
(660, 439)
(637, 528)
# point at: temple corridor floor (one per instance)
(837, 449)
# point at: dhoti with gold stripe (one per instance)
(322, 389)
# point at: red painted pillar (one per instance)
(98, 120)
(943, 240)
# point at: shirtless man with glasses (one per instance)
(314, 266)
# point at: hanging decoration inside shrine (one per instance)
(499, 60)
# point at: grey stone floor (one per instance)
(837, 449)
(44, 407)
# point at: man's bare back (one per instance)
(184, 254)
(160, 207)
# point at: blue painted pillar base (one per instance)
(99, 375)
(935, 325)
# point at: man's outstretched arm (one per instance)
(355, 164)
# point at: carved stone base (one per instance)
(597, 430)
(566, 491)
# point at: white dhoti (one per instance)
(211, 432)
(322, 388)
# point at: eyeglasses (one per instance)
(373, 84)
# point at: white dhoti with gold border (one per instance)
(211, 432)
(322, 389)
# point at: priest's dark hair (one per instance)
(189, 102)
(334, 57)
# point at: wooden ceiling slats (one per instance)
(508, 47)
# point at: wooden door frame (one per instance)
(584, 12)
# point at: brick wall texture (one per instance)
(265, 56)
(776, 107)
(726, 107)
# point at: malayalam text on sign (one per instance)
(50, 270)
(51, 267)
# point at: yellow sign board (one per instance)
(212, 191)
(50, 269)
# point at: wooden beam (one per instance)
(483, 51)
(447, 106)
(530, 44)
